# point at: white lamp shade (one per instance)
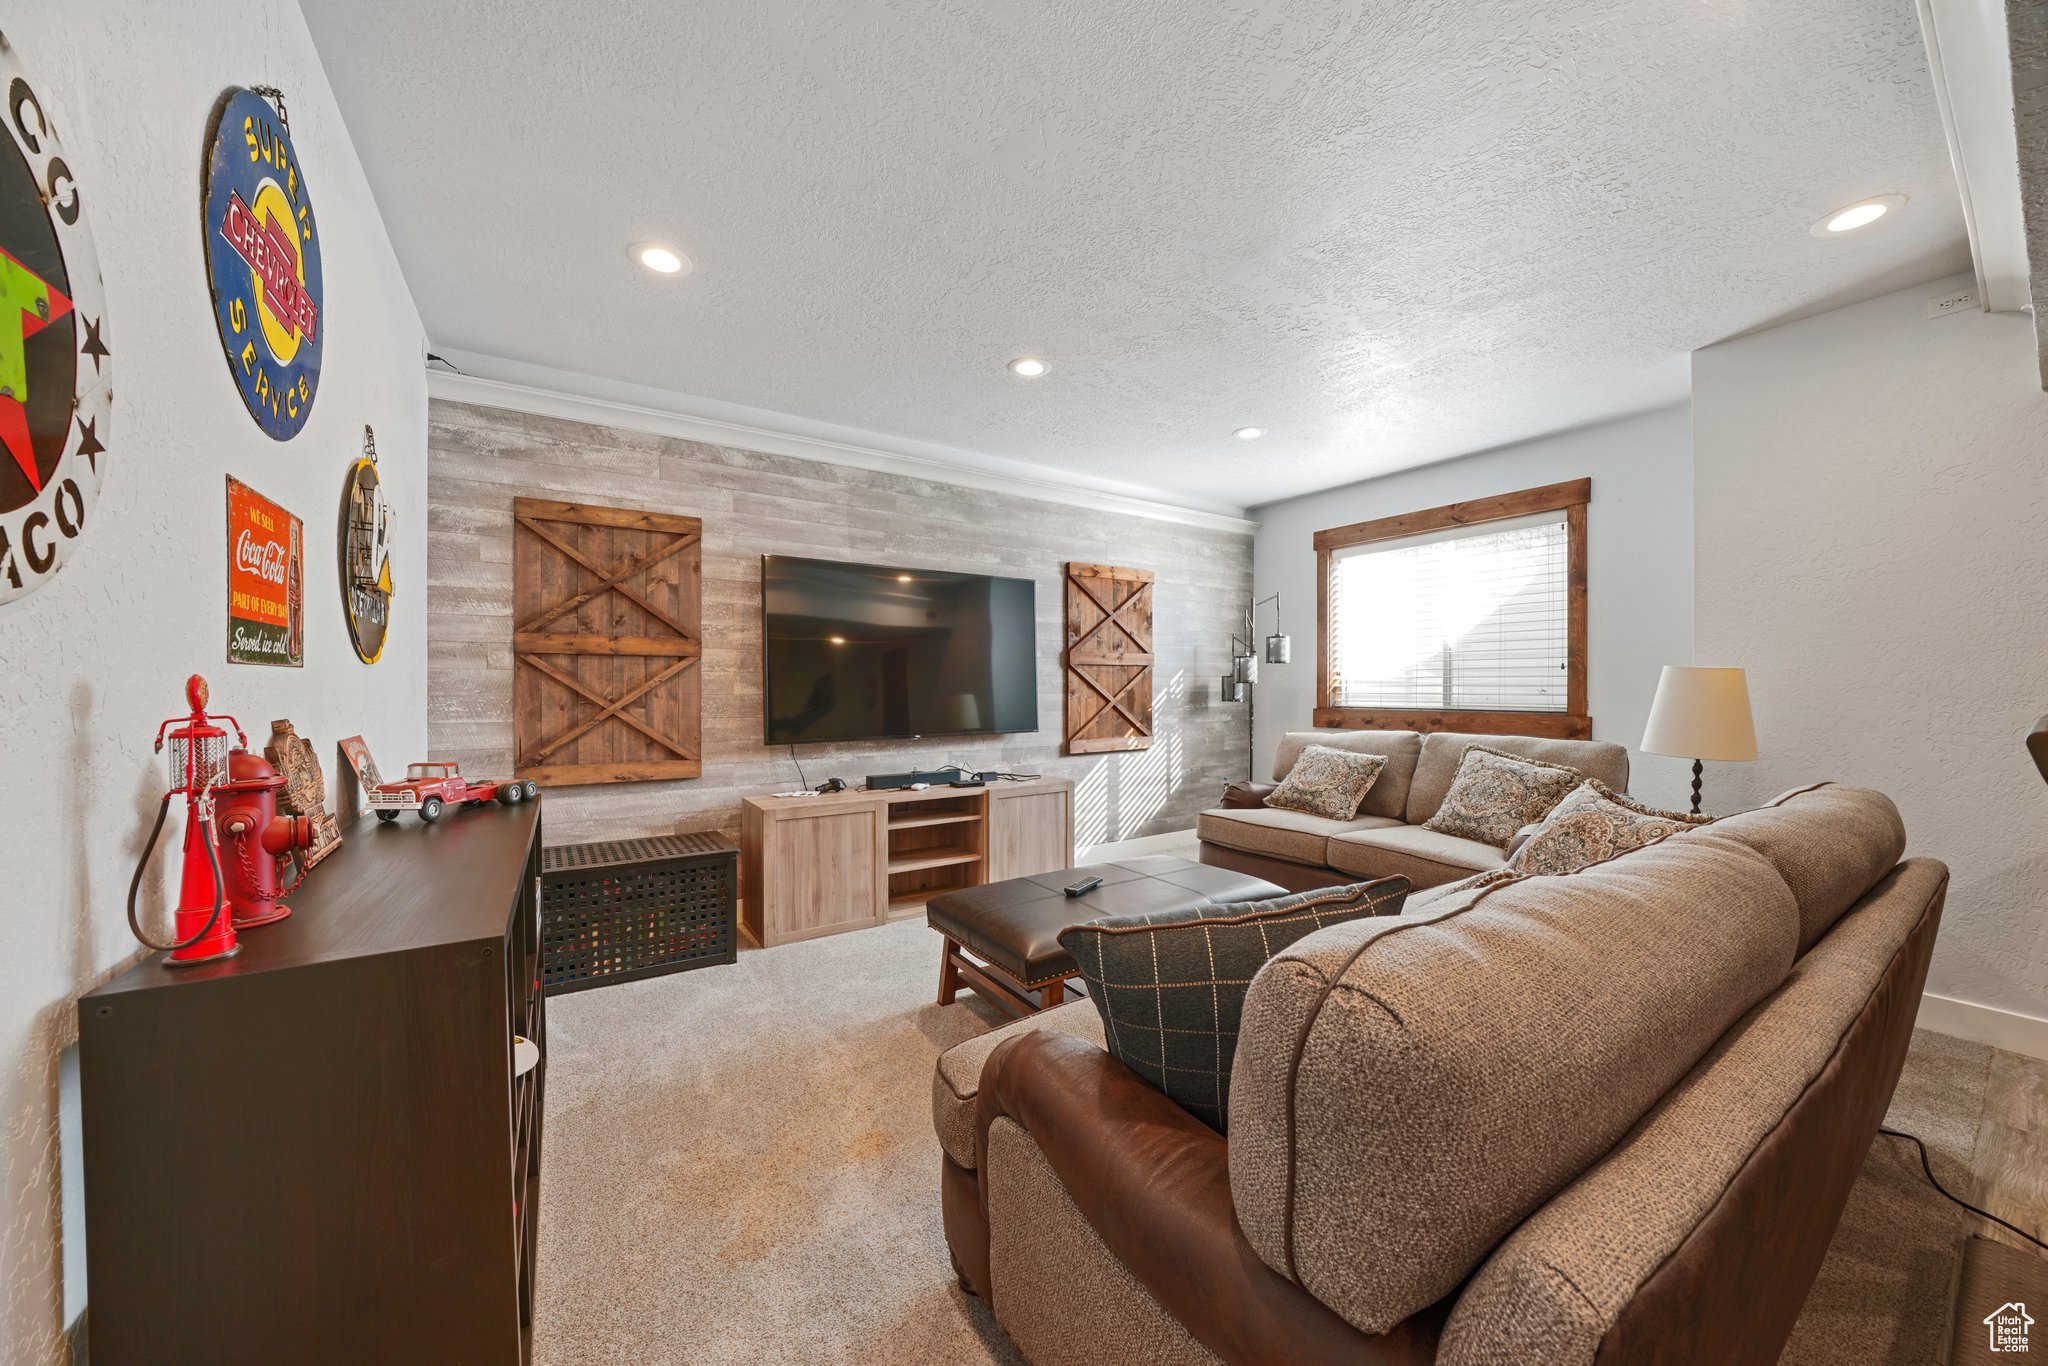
(1701, 714)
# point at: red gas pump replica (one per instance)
(214, 899)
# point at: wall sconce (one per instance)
(1236, 686)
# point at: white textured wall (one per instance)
(91, 664)
(1872, 545)
(1639, 569)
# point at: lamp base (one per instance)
(1697, 769)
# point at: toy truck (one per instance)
(431, 788)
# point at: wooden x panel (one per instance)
(606, 645)
(1108, 659)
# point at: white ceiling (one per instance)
(1389, 232)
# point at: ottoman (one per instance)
(1002, 938)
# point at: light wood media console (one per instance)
(812, 866)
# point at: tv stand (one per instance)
(850, 860)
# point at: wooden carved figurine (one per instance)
(305, 790)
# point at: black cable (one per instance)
(135, 885)
(1925, 1166)
(799, 765)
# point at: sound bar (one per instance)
(883, 781)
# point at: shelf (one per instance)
(912, 860)
(918, 822)
(905, 904)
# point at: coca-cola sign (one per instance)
(266, 580)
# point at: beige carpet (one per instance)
(740, 1167)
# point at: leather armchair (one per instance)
(1154, 1184)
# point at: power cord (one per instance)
(799, 766)
(1928, 1168)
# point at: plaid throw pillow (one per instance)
(1171, 985)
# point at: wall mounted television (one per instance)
(879, 652)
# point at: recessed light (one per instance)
(1249, 433)
(1861, 214)
(838, 640)
(1030, 367)
(903, 578)
(659, 259)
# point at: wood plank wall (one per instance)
(754, 504)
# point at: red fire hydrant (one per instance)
(253, 837)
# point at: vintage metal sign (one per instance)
(56, 375)
(359, 759)
(263, 262)
(266, 580)
(366, 582)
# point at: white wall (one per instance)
(1871, 489)
(1639, 570)
(90, 664)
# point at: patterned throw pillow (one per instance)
(1594, 824)
(1171, 985)
(1495, 794)
(1328, 782)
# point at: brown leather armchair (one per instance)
(1154, 1183)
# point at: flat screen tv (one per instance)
(874, 652)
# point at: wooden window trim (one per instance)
(1573, 723)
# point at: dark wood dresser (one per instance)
(318, 1151)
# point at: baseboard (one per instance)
(2006, 1029)
(1132, 848)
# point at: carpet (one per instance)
(739, 1166)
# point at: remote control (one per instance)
(1084, 886)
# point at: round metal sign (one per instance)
(366, 583)
(263, 262)
(56, 381)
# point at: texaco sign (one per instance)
(56, 382)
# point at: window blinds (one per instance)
(1471, 619)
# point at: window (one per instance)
(1466, 617)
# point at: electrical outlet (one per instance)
(1962, 301)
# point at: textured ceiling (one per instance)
(1389, 232)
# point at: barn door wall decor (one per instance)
(1108, 659)
(606, 605)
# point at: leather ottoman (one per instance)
(1002, 938)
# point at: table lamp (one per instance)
(1701, 714)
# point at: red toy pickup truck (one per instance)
(429, 788)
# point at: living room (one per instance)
(942, 683)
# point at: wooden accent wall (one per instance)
(1109, 659)
(754, 504)
(606, 644)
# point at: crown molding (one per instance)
(1969, 59)
(608, 412)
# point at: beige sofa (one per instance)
(1600, 1118)
(1300, 851)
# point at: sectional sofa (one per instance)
(1299, 851)
(1606, 1117)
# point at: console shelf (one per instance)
(849, 860)
(330, 1124)
(931, 858)
(948, 818)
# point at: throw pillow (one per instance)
(1328, 782)
(1593, 824)
(1170, 986)
(1496, 793)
